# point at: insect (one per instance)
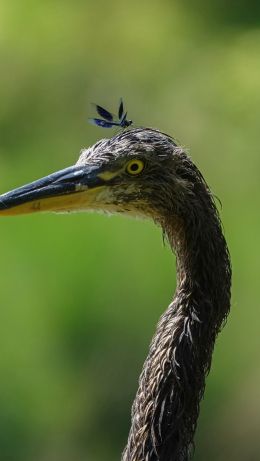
(108, 120)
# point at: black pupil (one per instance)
(134, 167)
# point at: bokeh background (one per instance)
(81, 294)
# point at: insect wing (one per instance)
(120, 109)
(104, 113)
(123, 121)
(124, 117)
(102, 123)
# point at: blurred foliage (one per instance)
(81, 294)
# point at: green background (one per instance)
(81, 294)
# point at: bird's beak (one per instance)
(72, 189)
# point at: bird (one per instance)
(144, 172)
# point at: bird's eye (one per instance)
(135, 167)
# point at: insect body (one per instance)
(108, 121)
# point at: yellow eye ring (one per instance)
(135, 167)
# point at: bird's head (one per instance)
(139, 172)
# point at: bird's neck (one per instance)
(166, 407)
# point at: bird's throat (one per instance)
(166, 408)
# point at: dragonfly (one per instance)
(108, 120)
